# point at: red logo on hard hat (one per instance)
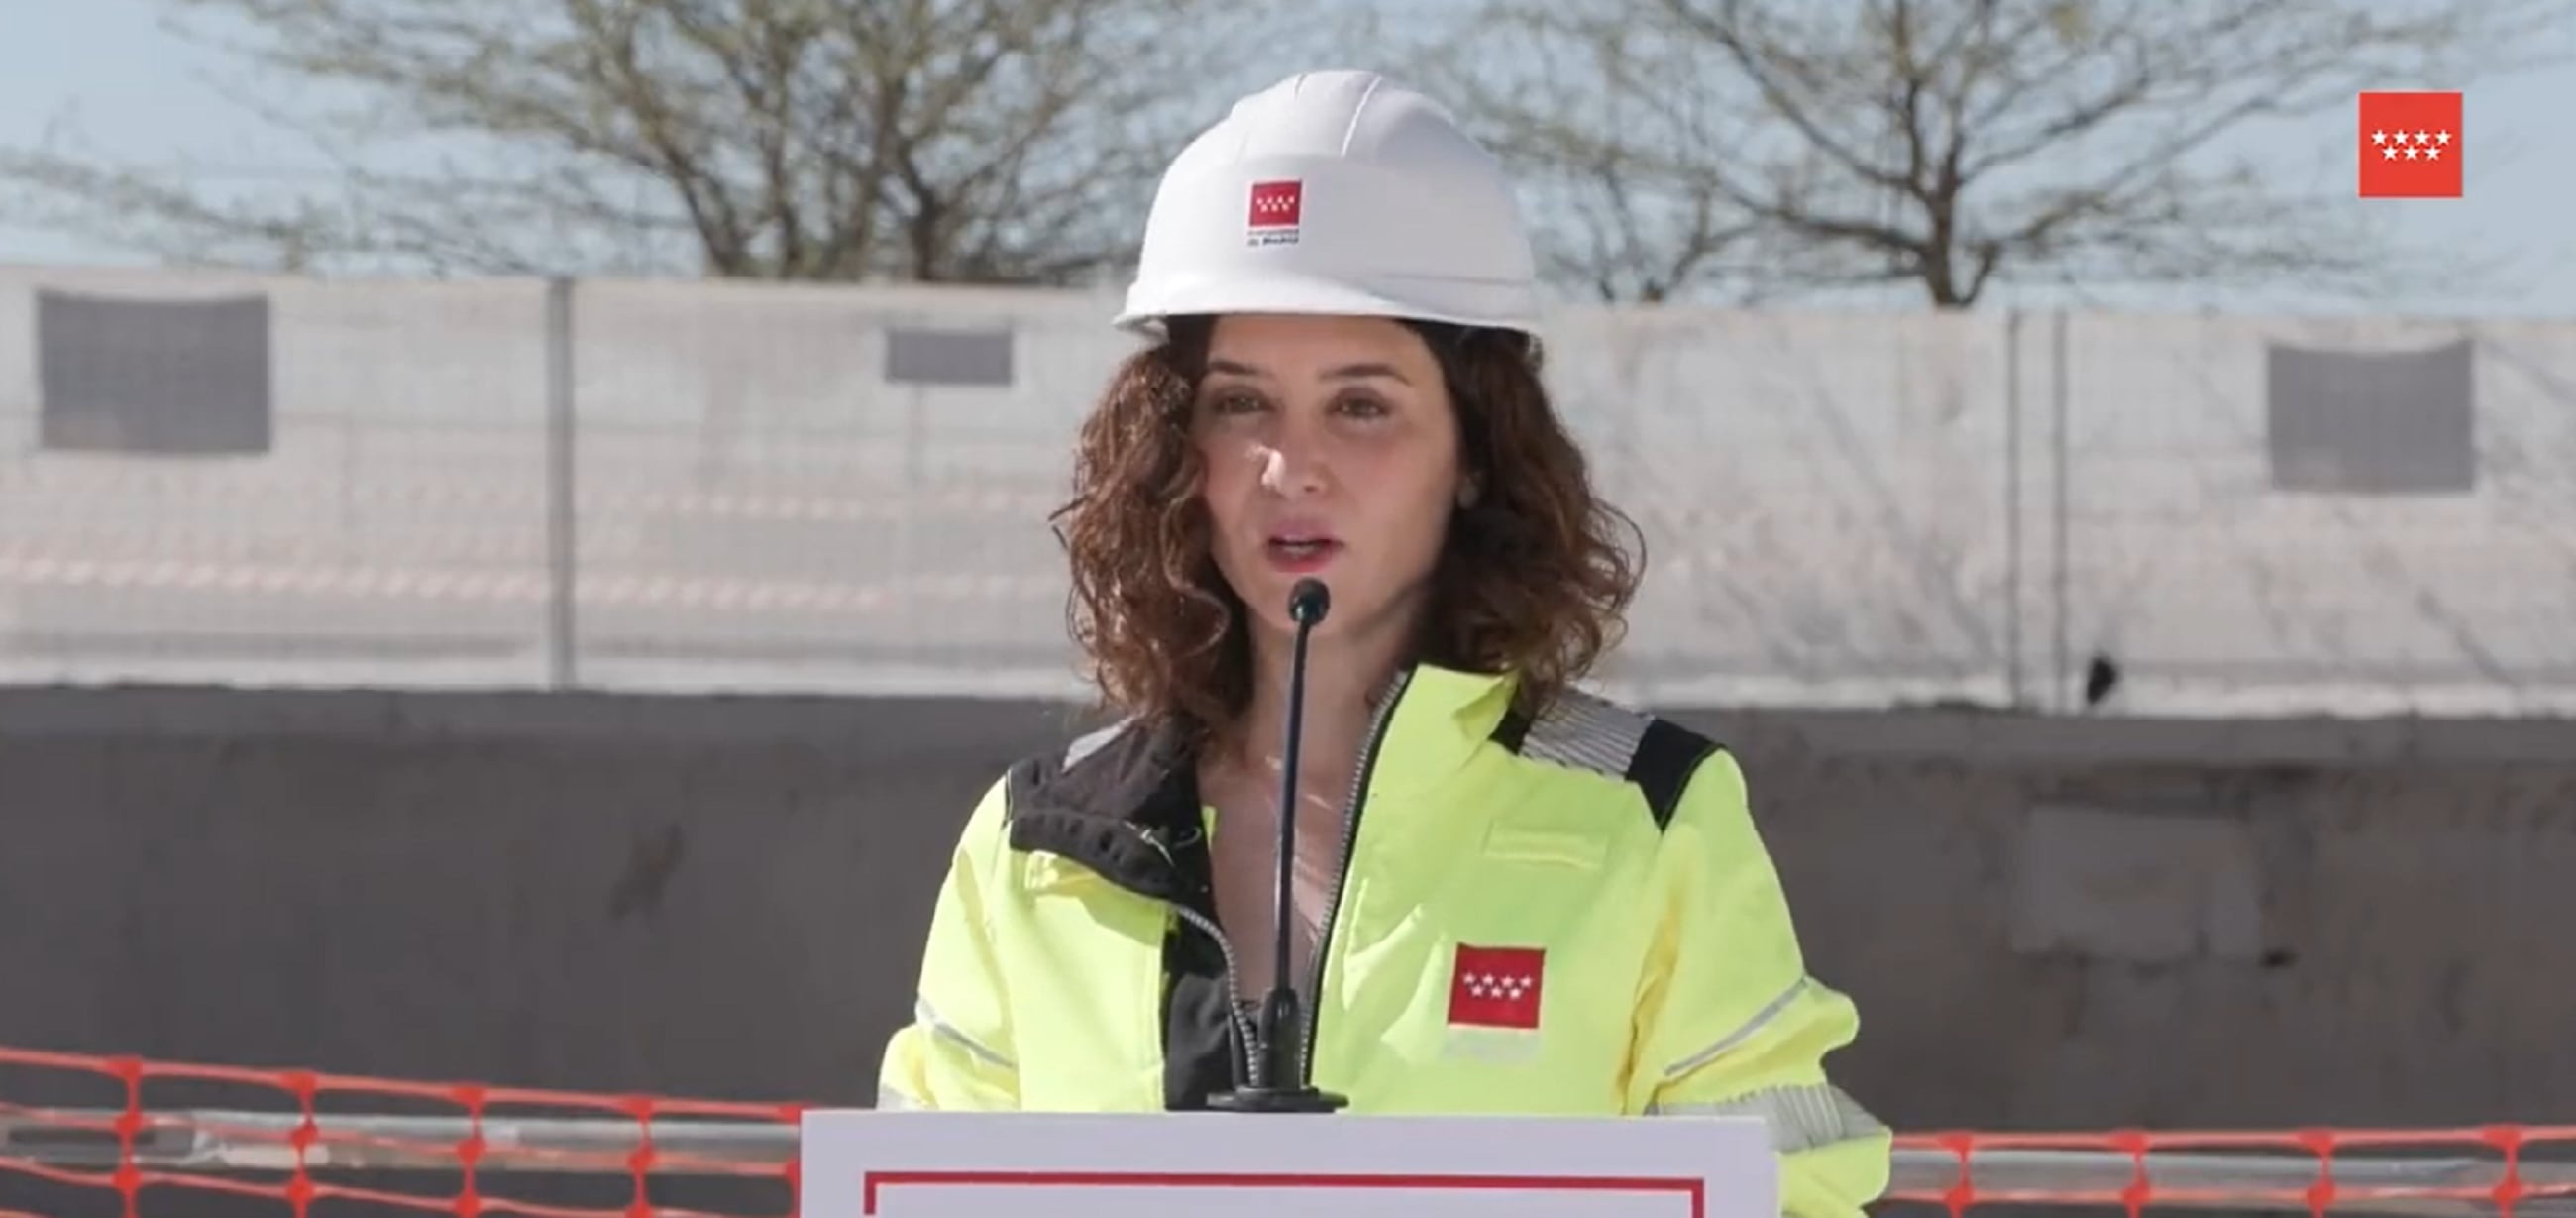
(1276, 204)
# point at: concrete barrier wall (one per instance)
(2047, 922)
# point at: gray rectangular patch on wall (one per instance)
(2137, 887)
(153, 377)
(916, 356)
(2373, 422)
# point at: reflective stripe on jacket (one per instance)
(1572, 915)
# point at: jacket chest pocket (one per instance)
(1542, 911)
(1536, 846)
(1085, 971)
(1506, 986)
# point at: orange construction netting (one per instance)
(114, 1136)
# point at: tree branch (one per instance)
(1007, 141)
(1953, 144)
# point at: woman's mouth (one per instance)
(1301, 553)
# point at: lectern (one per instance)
(861, 1163)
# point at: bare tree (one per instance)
(993, 141)
(1751, 148)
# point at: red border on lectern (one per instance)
(1693, 1190)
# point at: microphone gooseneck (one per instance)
(1282, 1084)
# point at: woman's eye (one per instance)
(1227, 405)
(1362, 407)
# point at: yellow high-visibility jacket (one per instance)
(1571, 914)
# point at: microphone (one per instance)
(1284, 1085)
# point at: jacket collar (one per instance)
(1124, 800)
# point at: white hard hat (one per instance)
(1336, 192)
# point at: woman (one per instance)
(1511, 896)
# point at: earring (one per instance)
(1467, 493)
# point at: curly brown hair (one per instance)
(1533, 577)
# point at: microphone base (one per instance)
(1267, 1100)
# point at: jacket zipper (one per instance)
(1239, 1012)
(1246, 1064)
(1351, 805)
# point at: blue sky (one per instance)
(136, 92)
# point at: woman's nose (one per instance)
(1291, 469)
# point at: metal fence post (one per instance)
(562, 556)
(2015, 692)
(2059, 474)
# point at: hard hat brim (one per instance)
(1303, 295)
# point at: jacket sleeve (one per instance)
(1730, 1022)
(957, 1053)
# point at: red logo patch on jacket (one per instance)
(1496, 987)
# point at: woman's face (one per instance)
(1331, 448)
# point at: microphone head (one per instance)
(1308, 601)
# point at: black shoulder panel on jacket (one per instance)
(1666, 757)
(1588, 732)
